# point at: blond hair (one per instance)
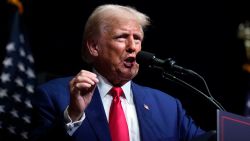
(99, 18)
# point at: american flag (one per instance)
(247, 109)
(17, 83)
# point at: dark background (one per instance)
(199, 35)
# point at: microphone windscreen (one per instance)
(144, 57)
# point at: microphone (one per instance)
(149, 59)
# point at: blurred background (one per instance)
(199, 35)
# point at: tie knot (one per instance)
(116, 91)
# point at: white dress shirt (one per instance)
(127, 104)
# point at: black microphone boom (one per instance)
(149, 59)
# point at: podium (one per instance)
(232, 127)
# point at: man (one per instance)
(80, 108)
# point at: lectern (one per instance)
(232, 127)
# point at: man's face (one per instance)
(117, 47)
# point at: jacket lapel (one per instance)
(144, 108)
(96, 116)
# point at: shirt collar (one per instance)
(104, 87)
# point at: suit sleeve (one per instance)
(47, 121)
(187, 126)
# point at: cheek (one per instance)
(138, 49)
(111, 58)
(117, 53)
(113, 52)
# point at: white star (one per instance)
(21, 38)
(30, 88)
(30, 58)
(26, 119)
(19, 82)
(12, 130)
(22, 52)
(248, 103)
(17, 97)
(7, 62)
(5, 77)
(28, 103)
(10, 47)
(3, 93)
(21, 66)
(14, 113)
(30, 73)
(2, 109)
(24, 135)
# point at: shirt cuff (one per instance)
(70, 126)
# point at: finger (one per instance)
(86, 79)
(83, 86)
(88, 73)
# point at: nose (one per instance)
(131, 46)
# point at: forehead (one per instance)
(113, 23)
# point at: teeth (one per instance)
(128, 64)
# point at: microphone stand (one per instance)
(209, 97)
(168, 65)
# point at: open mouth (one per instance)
(129, 62)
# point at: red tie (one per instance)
(117, 121)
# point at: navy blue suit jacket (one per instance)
(163, 120)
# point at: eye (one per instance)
(137, 39)
(121, 37)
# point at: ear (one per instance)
(92, 47)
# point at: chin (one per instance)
(130, 74)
